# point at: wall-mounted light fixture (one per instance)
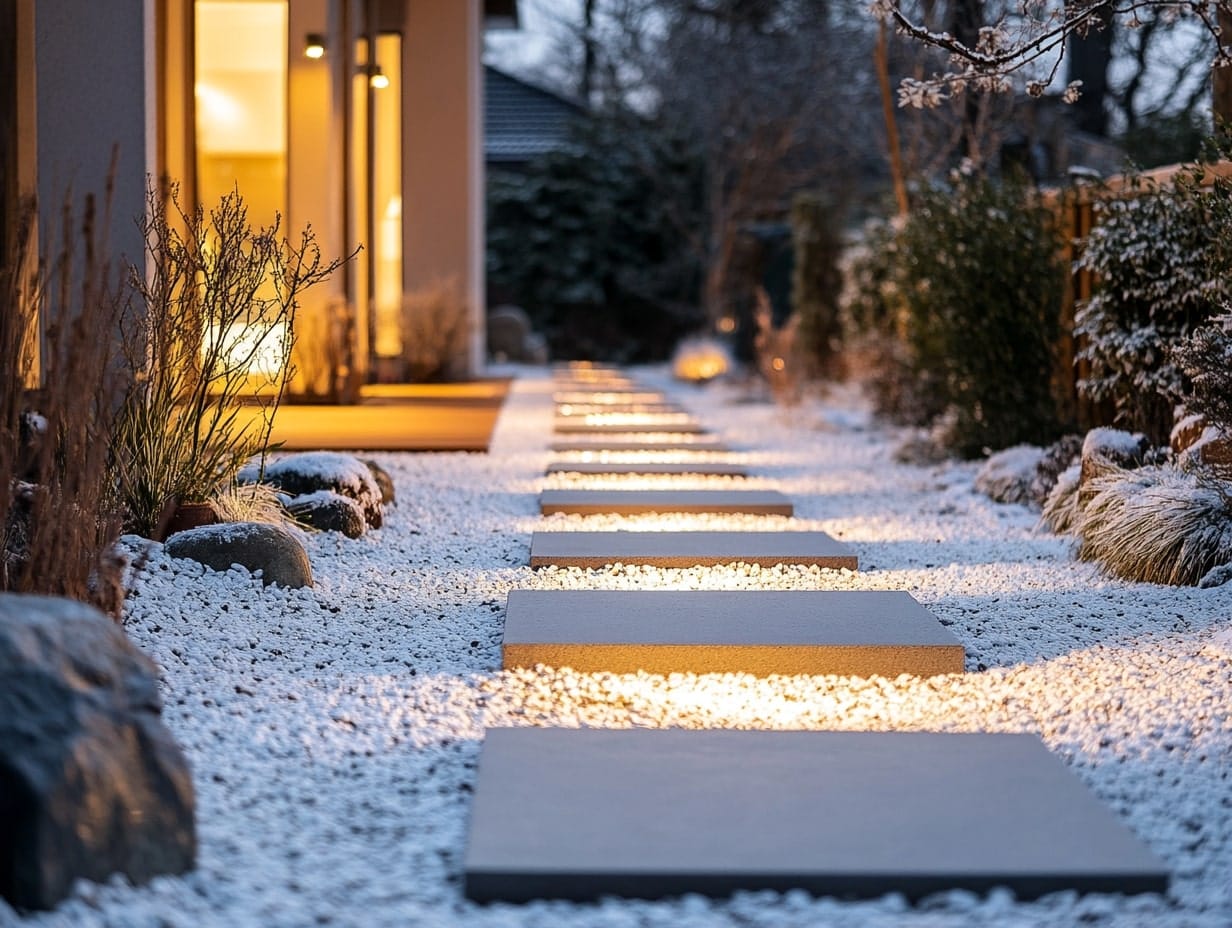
(377, 79)
(314, 45)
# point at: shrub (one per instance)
(1156, 256)
(599, 241)
(216, 327)
(1157, 525)
(981, 285)
(1205, 357)
(436, 330)
(815, 285)
(58, 405)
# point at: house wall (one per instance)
(95, 92)
(442, 145)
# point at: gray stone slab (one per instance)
(629, 442)
(634, 502)
(566, 425)
(762, 632)
(607, 397)
(584, 813)
(688, 549)
(572, 410)
(650, 468)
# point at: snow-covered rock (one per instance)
(346, 474)
(328, 511)
(258, 547)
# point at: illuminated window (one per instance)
(376, 184)
(241, 94)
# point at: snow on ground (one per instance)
(334, 732)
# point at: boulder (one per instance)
(384, 482)
(328, 511)
(511, 337)
(91, 781)
(253, 545)
(299, 474)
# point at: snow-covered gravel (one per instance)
(333, 732)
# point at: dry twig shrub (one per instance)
(59, 396)
(436, 332)
(777, 352)
(217, 328)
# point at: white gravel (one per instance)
(333, 732)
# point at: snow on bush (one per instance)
(1155, 256)
(1006, 477)
(1157, 525)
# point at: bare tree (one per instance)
(1030, 38)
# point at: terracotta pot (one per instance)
(191, 515)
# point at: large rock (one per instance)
(384, 482)
(91, 781)
(328, 511)
(345, 474)
(254, 545)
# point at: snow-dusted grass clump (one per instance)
(1060, 514)
(1157, 524)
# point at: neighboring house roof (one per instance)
(522, 121)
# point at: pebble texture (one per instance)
(333, 732)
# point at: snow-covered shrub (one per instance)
(1060, 512)
(1157, 525)
(982, 291)
(1205, 357)
(1006, 476)
(1156, 257)
(1026, 473)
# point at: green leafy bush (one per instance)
(592, 242)
(816, 283)
(981, 285)
(1157, 256)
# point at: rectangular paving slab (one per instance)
(635, 502)
(608, 397)
(590, 409)
(650, 468)
(688, 549)
(584, 813)
(675, 424)
(626, 443)
(763, 632)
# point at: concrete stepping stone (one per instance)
(688, 549)
(675, 424)
(649, 468)
(578, 410)
(607, 397)
(636, 502)
(624, 443)
(584, 813)
(762, 632)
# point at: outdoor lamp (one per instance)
(314, 45)
(377, 78)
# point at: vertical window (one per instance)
(241, 104)
(376, 188)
